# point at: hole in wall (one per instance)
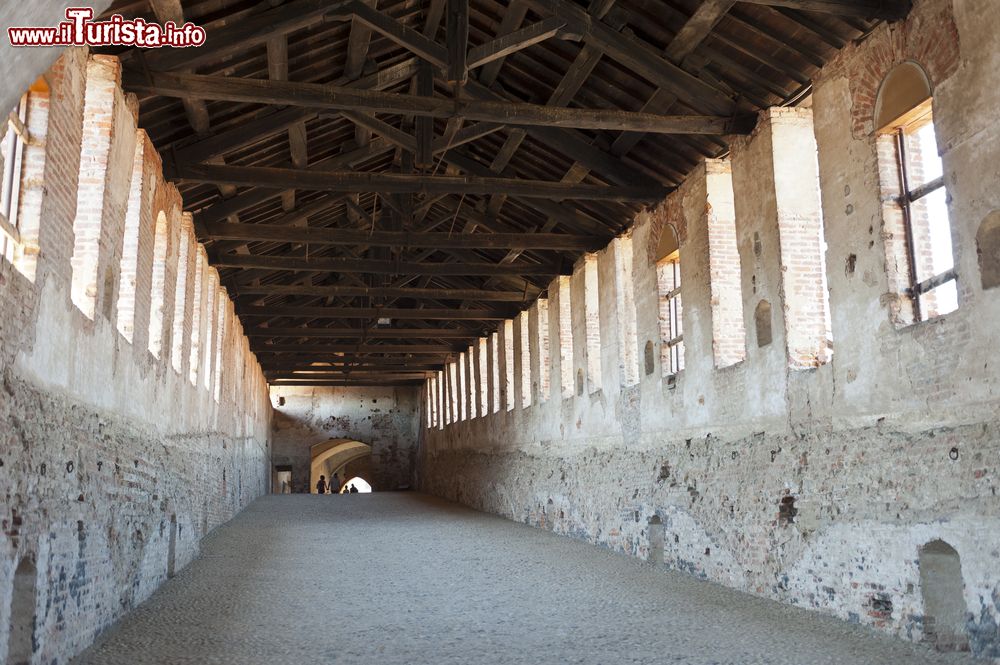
(758, 247)
(762, 323)
(281, 400)
(881, 606)
(172, 547)
(22, 614)
(579, 383)
(988, 249)
(787, 510)
(649, 358)
(656, 535)
(851, 264)
(941, 586)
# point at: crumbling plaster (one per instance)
(891, 444)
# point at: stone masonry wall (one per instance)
(113, 465)
(815, 485)
(384, 418)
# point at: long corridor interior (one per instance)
(499, 331)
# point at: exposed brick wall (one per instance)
(32, 189)
(565, 330)
(814, 483)
(728, 332)
(929, 37)
(628, 361)
(104, 446)
(542, 357)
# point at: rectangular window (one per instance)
(932, 286)
(524, 343)
(428, 403)
(482, 376)
(11, 152)
(508, 356)
(463, 392)
(439, 400)
(453, 392)
(495, 370)
(668, 280)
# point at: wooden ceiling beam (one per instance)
(638, 56)
(412, 293)
(364, 181)
(261, 127)
(223, 209)
(361, 333)
(457, 26)
(418, 314)
(337, 236)
(890, 10)
(357, 383)
(357, 45)
(516, 41)
(439, 349)
(696, 29)
(314, 95)
(511, 21)
(238, 36)
(341, 265)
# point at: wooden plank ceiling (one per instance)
(436, 162)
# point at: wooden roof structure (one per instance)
(437, 162)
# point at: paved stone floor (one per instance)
(405, 578)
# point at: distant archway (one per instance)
(360, 483)
(22, 615)
(331, 456)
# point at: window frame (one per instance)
(14, 141)
(675, 308)
(906, 124)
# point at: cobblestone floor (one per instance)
(405, 578)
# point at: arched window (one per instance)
(919, 249)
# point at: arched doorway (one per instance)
(333, 456)
(941, 586)
(22, 615)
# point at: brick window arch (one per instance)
(919, 259)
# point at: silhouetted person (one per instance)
(321, 485)
(335, 484)
(353, 489)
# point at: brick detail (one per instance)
(592, 319)
(543, 371)
(522, 338)
(494, 349)
(507, 384)
(928, 37)
(628, 350)
(103, 80)
(728, 331)
(564, 304)
(181, 290)
(482, 375)
(32, 188)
